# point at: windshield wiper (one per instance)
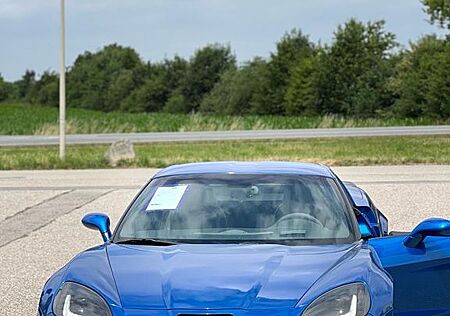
(146, 241)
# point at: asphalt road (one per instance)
(227, 135)
(40, 214)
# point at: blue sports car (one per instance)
(254, 239)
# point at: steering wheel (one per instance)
(303, 216)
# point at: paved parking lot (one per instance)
(40, 214)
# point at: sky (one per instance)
(158, 29)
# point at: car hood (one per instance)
(219, 276)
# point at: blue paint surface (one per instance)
(246, 168)
(269, 279)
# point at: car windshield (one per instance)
(231, 208)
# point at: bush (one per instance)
(302, 95)
(360, 74)
(423, 80)
(4, 89)
(205, 70)
(45, 91)
(101, 80)
(348, 78)
(238, 92)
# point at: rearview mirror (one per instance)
(430, 227)
(100, 222)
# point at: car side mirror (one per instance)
(364, 229)
(430, 227)
(100, 222)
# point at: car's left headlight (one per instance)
(77, 300)
(347, 300)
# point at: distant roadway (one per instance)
(227, 135)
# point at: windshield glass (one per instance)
(288, 209)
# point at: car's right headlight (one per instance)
(77, 300)
(347, 300)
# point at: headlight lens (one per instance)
(348, 300)
(77, 300)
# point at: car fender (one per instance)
(90, 268)
(361, 264)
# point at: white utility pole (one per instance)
(62, 88)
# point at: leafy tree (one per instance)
(150, 97)
(374, 96)
(358, 74)
(174, 76)
(302, 95)
(25, 84)
(238, 91)
(176, 103)
(260, 103)
(354, 73)
(161, 80)
(439, 11)
(120, 87)
(93, 79)
(46, 90)
(422, 82)
(205, 70)
(175, 71)
(4, 89)
(291, 49)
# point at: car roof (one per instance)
(235, 167)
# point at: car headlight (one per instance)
(348, 300)
(75, 299)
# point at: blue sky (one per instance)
(162, 28)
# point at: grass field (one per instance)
(345, 151)
(23, 119)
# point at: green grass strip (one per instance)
(23, 119)
(344, 151)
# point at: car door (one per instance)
(421, 274)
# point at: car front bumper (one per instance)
(267, 312)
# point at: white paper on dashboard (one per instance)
(167, 198)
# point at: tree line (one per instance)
(363, 72)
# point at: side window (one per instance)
(329, 205)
